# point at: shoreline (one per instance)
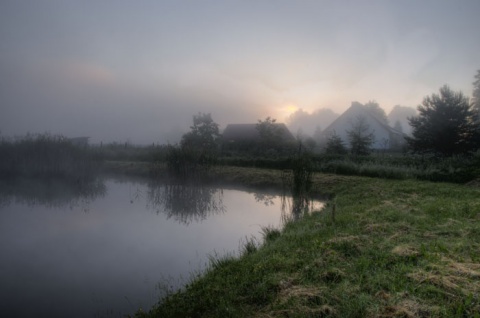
(380, 248)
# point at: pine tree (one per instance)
(335, 145)
(445, 124)
(476, 93)
(361, 137)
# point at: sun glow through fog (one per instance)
(286, 111)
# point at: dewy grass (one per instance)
(394, 249)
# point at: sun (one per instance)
(288, 109)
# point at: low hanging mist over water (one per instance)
(115, 249)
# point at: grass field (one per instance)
(380, 248)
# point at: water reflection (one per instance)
(297, 192)
(185, 202)
(266, 199)
(111, 259)
(51, 192)
(294, 208)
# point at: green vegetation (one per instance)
(127, 152)
(46, 156)
(458, 169)
(197, 152)
(381, 248)
(446, 125)
(360, 137)
(335, 145)
(476, 93)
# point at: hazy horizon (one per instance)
(138, 71)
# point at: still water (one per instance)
(107, 251)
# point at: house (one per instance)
(385, 137)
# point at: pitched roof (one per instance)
(241, 132)
(356, 110)
(384, 135)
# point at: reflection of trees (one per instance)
(51, 192)
(266, 199)
(298, 182)
(185, 202)
(293, 208)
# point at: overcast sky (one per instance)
(139, 70)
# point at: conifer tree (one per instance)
(446, 124)
(476, 93)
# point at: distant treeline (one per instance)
(46, 156)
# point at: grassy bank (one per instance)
(381, 248)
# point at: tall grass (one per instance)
(298, 182)
(46, 156)
(187, 164)
(458, 169)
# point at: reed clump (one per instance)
(46, 156)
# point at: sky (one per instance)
(138, 71)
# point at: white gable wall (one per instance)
(345, 123)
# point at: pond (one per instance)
(113, 248)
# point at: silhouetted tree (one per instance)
(268, 130)
(476, 93)
(398, 126)
(198, 150)
(361, 137)
(335, 145)
(310, 143)
(445, 124)
(378, 112)
(203, 136)
(270, 134)
(317, 134)
(308, 122)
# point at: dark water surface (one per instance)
(109, 252)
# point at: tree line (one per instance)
(447, 124)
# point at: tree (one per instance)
(476, 93)
(268, 130)
(317, 134)
(335, 145)
(308, 122)
(203, 136)
(398, 126)
(378, 112)
(361, 137)
(445, 124)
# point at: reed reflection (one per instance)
(51, 192)
(185, 202)
(298, 183)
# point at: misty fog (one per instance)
(138, 72)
